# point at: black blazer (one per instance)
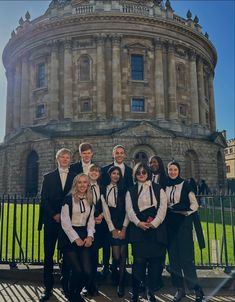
(76, 167)
(127, 179)
(52, 195)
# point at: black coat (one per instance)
(127, 179)
(76, 167)
(52, 195)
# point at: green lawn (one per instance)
(32, 241)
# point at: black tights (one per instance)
(119, 261)
(79, 261)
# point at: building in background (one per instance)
(230, 164)
(109, 72)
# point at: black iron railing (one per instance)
(21, 242)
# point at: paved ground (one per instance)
(25, 284)
(21, 291)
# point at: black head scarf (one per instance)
(178, 179)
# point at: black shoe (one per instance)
(120, 291)
(179, 294)
(151, 297)
(93, 290)
(45, 296)
(199, 295)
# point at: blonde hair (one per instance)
(63, 151)
(74, 192)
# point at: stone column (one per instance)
(100, 73)
(159, 81)
(212, 102)
(10, 100)
(24, 107)
(68, 81)
(193, 88)
(17, 95)
(116, 77)
(173, 110)
(201, 92)
(54, 82)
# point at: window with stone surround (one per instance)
(31, 180)
(85, 68)
(86, 105)
(181, 76)
(183, 110)
(40, 111)
(137, 67)
(41, 75)
(228, 169)
(141, 157)
(137, 104)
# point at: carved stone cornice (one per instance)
(54, 45)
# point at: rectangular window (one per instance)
(86, 105)
(138, 105)
(40, 111)
(137, 67)
(228, 169)
(41, 75)
(183, 110)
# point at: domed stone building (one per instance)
(109, 72)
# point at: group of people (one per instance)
(86, 208)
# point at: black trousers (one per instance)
(181, 256)
(154, 265)
(51, 230)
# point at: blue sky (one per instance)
(216, 17)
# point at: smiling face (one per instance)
(115, 176)
(94, 174)
(119, 155)
(141, 175)
(154, 165)
(64, 160)
(173, 171)
(86, 156)
(82, 185)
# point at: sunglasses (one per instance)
(143, 172)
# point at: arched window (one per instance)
(85, 68)
(181, 75)
(31, 181)
(141, 157)
(220, 170)
(191, 165)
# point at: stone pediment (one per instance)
(26, 135)
(145, 129)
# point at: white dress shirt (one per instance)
(173, 196)
(81, 211)
(111, 201)
(95, 192)
(144, 202)
(155, 178)
(63, 176)
(85, 167)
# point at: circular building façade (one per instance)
(109, 72)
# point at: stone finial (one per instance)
(13, 34)
(168, 5)
(53, 3)
(27, 16)
(21, 21)
(196, 20)
(206, 35)
(189, 14)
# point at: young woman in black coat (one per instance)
(182, 206)
(146, 205)
(158, 172)
(113, 201)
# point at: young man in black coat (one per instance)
(119, 156)
(55, 187)
(86, 154)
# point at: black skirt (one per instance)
(64, 242)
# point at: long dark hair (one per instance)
(161, 170)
